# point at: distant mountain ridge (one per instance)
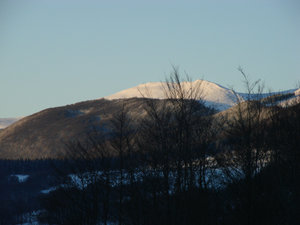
(214, 95)
(45, 133)
(5, 122)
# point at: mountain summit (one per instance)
(212, 94)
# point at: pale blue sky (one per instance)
(56, 52)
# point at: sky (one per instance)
(59, 52)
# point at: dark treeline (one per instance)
(28, 166)
(183, 163)
(20, 197)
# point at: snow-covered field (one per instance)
(214, 177)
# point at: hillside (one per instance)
(45, 134)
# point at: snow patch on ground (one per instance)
(47, 191)
(21, 177)
(30, 218)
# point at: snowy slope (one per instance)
(293, 100)
(213, 94)
(5, 122)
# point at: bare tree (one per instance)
(122, 141)
(245, 149)
(177, 133)
(84, 194)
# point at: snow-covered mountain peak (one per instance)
(213, 94)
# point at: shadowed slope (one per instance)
(44, 134)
